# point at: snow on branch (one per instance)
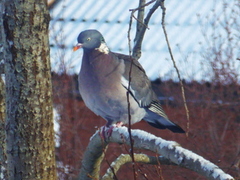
(142, 140)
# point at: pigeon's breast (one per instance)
(104, 94)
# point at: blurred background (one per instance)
(205, 40)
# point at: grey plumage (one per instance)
(103, 84)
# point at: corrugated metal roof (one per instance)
(111, 18)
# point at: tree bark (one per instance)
(2, 104)
(3, 164)
(29, 115)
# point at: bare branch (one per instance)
(93, 157)
(140, 17)
(143, 140)
(174, 64)
(139, 158)
(128, 93)
(142, 29)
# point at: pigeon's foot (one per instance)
(106, 131)
(119, 124)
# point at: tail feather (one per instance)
(164, 123)
(157, 118)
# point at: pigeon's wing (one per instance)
(140, 88)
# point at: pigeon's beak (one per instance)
(78, 46)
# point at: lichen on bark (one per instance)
(29, 117)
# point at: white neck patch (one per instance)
(103, 48)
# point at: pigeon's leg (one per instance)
(119, 124)
(106, 131)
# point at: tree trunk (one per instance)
(29, 115)
(2, 131)
(2, 104)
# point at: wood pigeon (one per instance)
(103, 85)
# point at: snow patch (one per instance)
(56, 126)
(96, 133)
(64, 169)
(10, 43)
(163, 143)
(205, 164)
(143, 135)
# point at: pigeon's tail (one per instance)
(157, 118)
(167, 124)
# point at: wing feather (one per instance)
(140, 86)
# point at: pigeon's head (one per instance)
(89, 40)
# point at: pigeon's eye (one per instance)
(88, 39)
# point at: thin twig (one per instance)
(175, 66)
(142, 6)
(140, 22)
(136, 54)
(159, 168)
(128, 94)
(108, 163)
